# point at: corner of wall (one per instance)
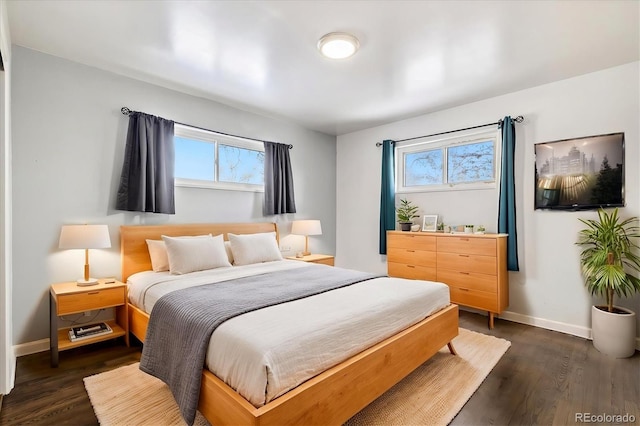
(7, 354)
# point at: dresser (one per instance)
(474, 266)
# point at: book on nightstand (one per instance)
(87, 331)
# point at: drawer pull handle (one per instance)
(463, 255)
(464, 289)
(93, 292)
(464, 239)
(464, 273)
(411, 251)
(410, 266)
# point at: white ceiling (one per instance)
(415, 56)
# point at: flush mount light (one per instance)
(338, 45)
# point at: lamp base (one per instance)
(86, 283)
(306, 253)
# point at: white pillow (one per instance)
(254, 248)
(195, 254)
(158, 255)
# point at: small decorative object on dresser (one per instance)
(68, 298)
(430, 223)
(480, 229)
(468, 229)
(324, 259)
(406, 213)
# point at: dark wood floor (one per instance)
(543, 379)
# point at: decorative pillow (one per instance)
(254, 248)
(195, 254)
(158, 255)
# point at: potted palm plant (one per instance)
(609, 262)
(406, 213)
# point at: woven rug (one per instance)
(432, 395)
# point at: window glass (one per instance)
(470, 163)
(423, 168)
(453, 163)
(194, 159)
(241, 165)
(211, 160)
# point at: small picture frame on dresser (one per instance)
(429, 223)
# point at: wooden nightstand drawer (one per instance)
(90, 299)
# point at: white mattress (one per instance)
(265, 353)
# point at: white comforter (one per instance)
(265, 353)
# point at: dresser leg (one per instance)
(452, 349)
(491, 316)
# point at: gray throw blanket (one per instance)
(182, 321)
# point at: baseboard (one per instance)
(562, 327)
(31, 347)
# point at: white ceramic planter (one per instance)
(614, 334)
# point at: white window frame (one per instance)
(401, 149)
(216, 139)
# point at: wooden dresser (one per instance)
(474, 266)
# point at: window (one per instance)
(462, 162)
(210, 160)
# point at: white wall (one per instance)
(68, 146)
(7, 356)
(548, 291)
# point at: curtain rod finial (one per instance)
(125, 110)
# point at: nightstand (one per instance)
(324, 259)
(69, 298)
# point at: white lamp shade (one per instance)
(306, 227)
(84, 237)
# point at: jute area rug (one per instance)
(432, 395)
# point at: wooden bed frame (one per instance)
(333, 396)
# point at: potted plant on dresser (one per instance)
(406, 213)
(608, 262)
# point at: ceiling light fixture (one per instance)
(338, 45)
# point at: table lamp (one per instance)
(306, 228)
(85, 237)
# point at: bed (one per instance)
(328, 397)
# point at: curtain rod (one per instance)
(518, 119)
(127, 111)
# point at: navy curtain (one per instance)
(147, 179)
(387, 194)
(278, 180)
(507, 206)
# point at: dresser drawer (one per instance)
(468, 280)
(474, 298)
(412, 257)
(467, 245)
(90, 300)
(412, 241)
(467, 263)
(413, 272)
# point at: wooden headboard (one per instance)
(133, 245)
